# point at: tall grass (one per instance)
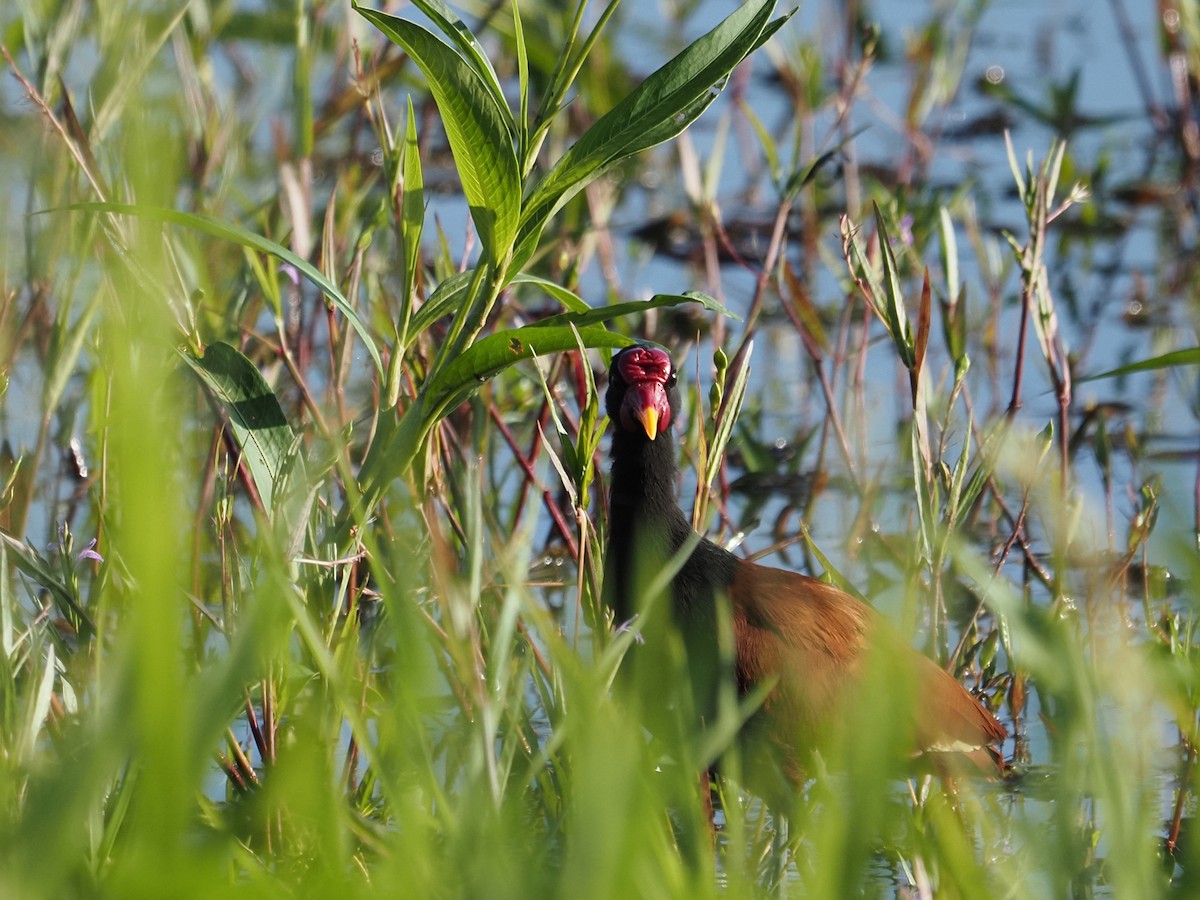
(302, 508)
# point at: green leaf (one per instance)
(239, 235)
(446, 297)
(949, 251)
(568, 298)
(412, 219)
(893, 313)
(458, 32)
(661, 107)
(393, 454)
(491, 355)
(131, 74)
(478, 125)
(802, 175)
(522, 80)
(442, 302)
(1188, 357)
(607, 313)
(412, 222)
(64, 356)
(44, 575)
(765, 139)
(37, 709)
(261, 429)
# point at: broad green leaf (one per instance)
(491, 355)
(261, 429)
(452, 291)
(661, 107)
(1188, 357)
(632, 307)
(478, 126)
(394, 453)
(240, 235)
(455, 29)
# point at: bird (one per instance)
(801, 646)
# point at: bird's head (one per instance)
(641, 390)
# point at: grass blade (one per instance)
(237, 234)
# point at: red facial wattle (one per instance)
(645, 370)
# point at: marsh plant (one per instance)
(304, 314)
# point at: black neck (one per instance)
(643, 484)
(645, 521)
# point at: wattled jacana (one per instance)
(805, 642)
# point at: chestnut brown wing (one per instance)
(813, 639)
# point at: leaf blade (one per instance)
(491, 355)
(1186, 357)
(239, 235)
(478, 126)
(660, 108)
(261, 428)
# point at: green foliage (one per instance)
(298, 594)
(477, 120)
(259, 424)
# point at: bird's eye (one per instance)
(671, 379)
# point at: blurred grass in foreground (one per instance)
(322, 644)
